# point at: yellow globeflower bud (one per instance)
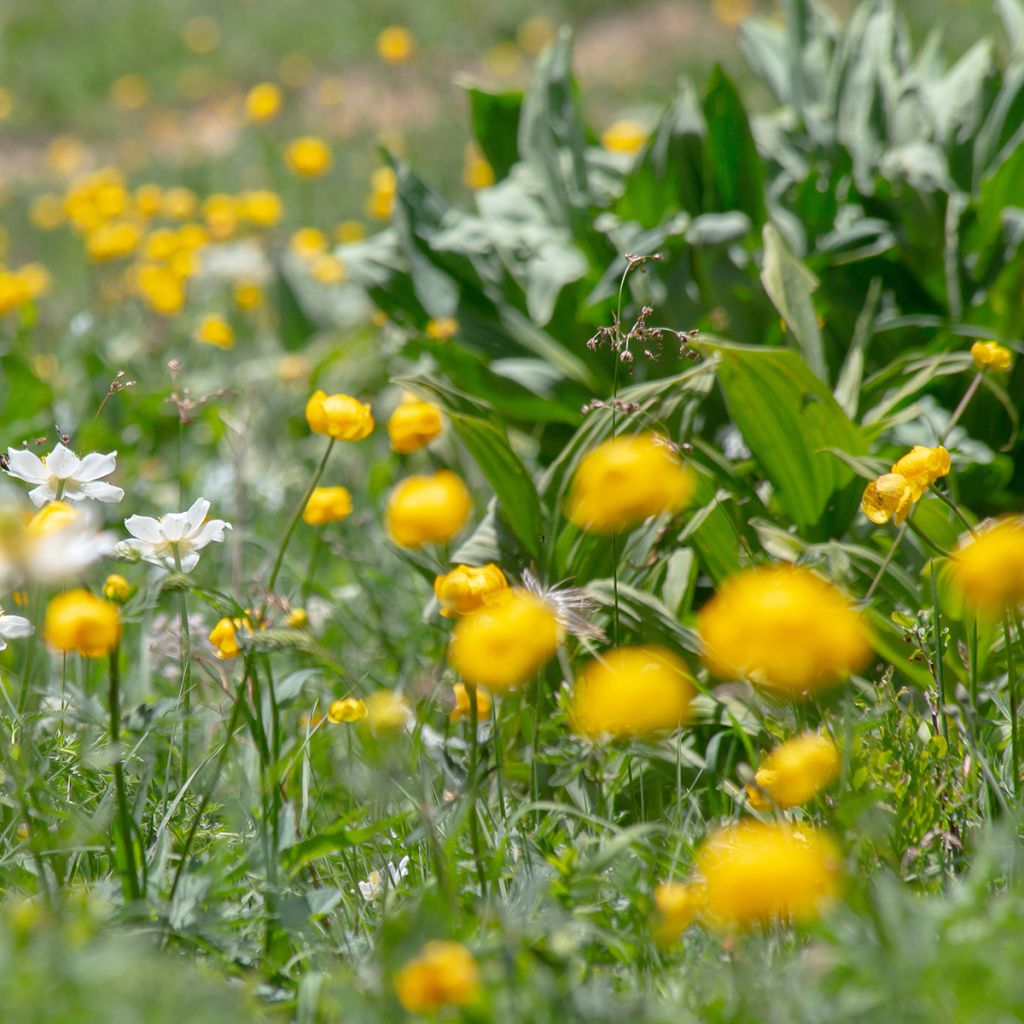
(795, 772)
(427, 509)
(224, 637)
(215, 330)
(676, 905)
(624, 136)
(782, 627)
(308, 157)
(501, 645)
(339, 416)
(395, 44)
(631, 691)
(444, 974)
(414, 424)
(988, 570)
(755, 873)
(349, 709)
(893, 494)
(626, 480)
(80, 621)
(262, 102)
(387, 711)
(990, 355)
(116, 588)
(468, 587)
(464, 704)
(327, 505)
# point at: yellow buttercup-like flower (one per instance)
(464, 705)
(339, 416)
(755, 873)
(444, 974)
(261, 207)
(262, 102)
(631, 691)
(348, 709)
(224, 637)
(676, 906)
(990, 355)
(988, 570)
(427, 509)
(117, 588)
(468, 587)
(414, 424)
(53, 516)
(215, 330)
(80, 621)
(501, 645)
(624, 136)
(327, 505)
(387, 712)
(443, 328)
(782, 627)
(308, 157)
(893, 494)
(795, 772)
(626, 480)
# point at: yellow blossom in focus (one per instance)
(53, 516)
(626, 480)
(327, 505)
(631, 691)
(427, 509)
(215, 330)
(795, 772)
(348, 709)
(339, 416)
(248, 295)
(987, 570)
(443, 328)
(502, 644)
(782, 627)
(676, 905)
(262, 207)
(624, 136)
(395, 44)
(387, 711)
(80, 621)
(308, 243)
(755, 873)
(464, 705)
(308, 157)
(444, 974)
(414, 424)
(893, 494)
(116, 588)
(262, 102)
(468, 587)
(990, 355)
(224, 637)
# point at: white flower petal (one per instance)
(24, 465)
(101, 491)
(146, 528)
(41, 495)
(96, 465)
(189, 561)
(197, 513)
(211, 531)
(174, 526)
(62, 463)
(14, 627)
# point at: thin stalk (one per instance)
(474, 764)
(499, 773)
(959, 410)
(940, 675)
(890, 555)
(186, 672)
(1011, 684)
(129, 874)
(947, 500)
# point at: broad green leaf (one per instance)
(495, 119)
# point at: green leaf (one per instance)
(495, 119)
(340, 837)
(295, 325)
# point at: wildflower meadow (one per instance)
(511, 513)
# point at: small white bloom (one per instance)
(62, 554)
(374, 885)
(62, 473)
(13, 627)
(177, 533)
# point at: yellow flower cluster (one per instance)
(990, 355)
(987, 570)
(443, 974)
(468, 587)
(795, 772)
(893, 494)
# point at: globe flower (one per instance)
(117, 588)
(176, 538)
(414, 424)
(892, 494)
(755, 873)
(624, 136)
(784, 628)
(215, 330)
(987, 570)
(348, 709)
(795, 772)
(339, 416)
(468, 587)
(327, 505)
(500, 645)
(62, 474)
(464, 702)
(626, 480)
(13, 627)
(262, 207)
(676, 905)
(427, 509)
(80, 621)
(224, 637)
(308, 157)
(308, 243)
(444, 974)
(387, 711)
(631, 691)
(395, 44)
(990, 355)
(262, 102)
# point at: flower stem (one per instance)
(940, 676)
(186, 672)
(947, 500)
(129, 874)
(890, 555)
(959, 410)
(1011, 684)
(474, 764)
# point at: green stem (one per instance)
(498, 769)
(186, 672)
(947, 500)
(129, 874)
(940, 675)
(474, 763)
(1011, 682)
(890, 554)
(959, 410)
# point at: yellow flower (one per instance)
(349, 709)
(624, 136)
(221, 212)
(293, 368)
(248, 295)
(414, 424)
(215, 330)
(339, 416)
(395, 44)
(384, 183)
(442, 328)
(308, 157)
(80, 621)
(444, 974)
(535, 33)
(468, 587)
(224, 636)
(53, 516)
(13, 292)
(755, 873)
(47, 212)
(160, 289)
(148, 200)
(113, 241)
(988, 570)
(892, 494)
(349, 231)
(626, 480)
(307, 243)
(116, 588)
(297, 619)
(500, 645)
(35, 278)
(262, 102)
(631, 691)
(327, 505)
(676, 905)
(427, 509)
(464, 706)
(795, 772)
(782, 627)
(328, 269)
(477, 173)
(179, 203)
(990, 355)
(129, 92)
(387, 711)
(262, 207)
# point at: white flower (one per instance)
(63, 474)
(180, 534)
(374, 885)
(13, 627)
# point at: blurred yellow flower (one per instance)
(80, 621)
(179, 203)
(224, 637)
(987, 570)
(148, 200)
(427, 509)
(339, 416)
(795, 772)
(13, 292)
(161, 289)
(349, 231)
(676, 905)
(477, 173)
(47, 212)
(731, 12)
(464, 705)
(348, 709)
(308, 243)
(387, 712)
(990, 355)
(293, 368)
(262, 102)
(893, 494)
(327, 505)
(444, 974)
(535, 33)
(215, 330)
(414, 424)
(468, 587)
(35, 278)
(297, 619)
(395, 44)
(308, 157)
(129, 92)
(66, 154)
(113, 241)
(262, 207)
(116, 588)
(52, 517)
(443, 328)
(248, 295)
(504, 59)
(328, 269)
(384, 185)
(624, 136)
(201, 34)
(221, 214)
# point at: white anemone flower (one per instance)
(62, 474)
(176, 537)
(13, 627)
(374, 885)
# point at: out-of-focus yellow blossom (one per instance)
(384, 186)
(224, 637)
(676, 906)
(201, 34)
(625, 136)
(502, 644)
(414, 424)
(221, 214)
(148, 200)
(504, 59)
(349, 231)
(293, 368)
(464, 704)
(468, 587)
(53, 516)
(13, 292)
(328, 269)
(113, 241)
(117, 588)
(477, 173)
(443, 328)
(6, 104)
(161, 289)
(626, 480)
(82, 622)
(782, 627)
(297, 619)
(795, 772)
(395, 44)
(308, 157)
(427, 509)
(987, 570)
(387, 711)
(339, 416)
(262, 102)
(248, 295)
(731, 12)
(348, 709)
(35, 278)
(444, 974)
(66, 154)
(893, 494)
(215, 330)
(179, 203)
(310, 721)
(755, 873)
(47, 212)
(631, 691)
(129, 92)
(535, 33)
(262, 207)
(327, 505)
(308, 243)
(990, 355)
